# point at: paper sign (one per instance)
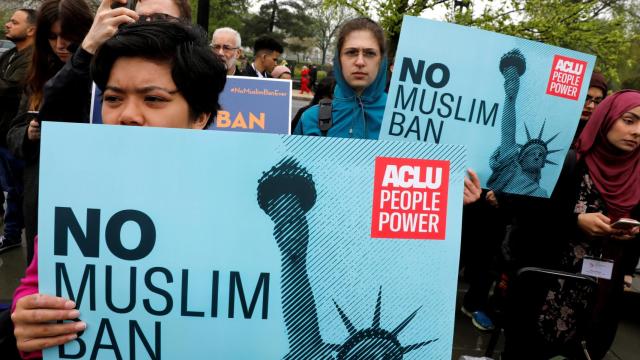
(187, 243)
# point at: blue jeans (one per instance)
(11, 183)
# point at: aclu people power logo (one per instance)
(410, 199)
(567, 75)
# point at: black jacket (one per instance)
(249, 71)
(13, 73)
(66, 97)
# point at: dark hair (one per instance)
(198, 73)
(362, 24)
(599, 81)
(183, 6)
(324, 89)
(31, 15)
(44, 63)
(75, 20)
(267, 43)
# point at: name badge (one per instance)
(600, 268)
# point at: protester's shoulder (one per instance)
(308, 124)
(4, 58)
(6, 54)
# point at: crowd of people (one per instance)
(162, 71)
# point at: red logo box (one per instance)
(567, 75)
(410, 199)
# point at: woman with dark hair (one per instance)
(52, 49)
(76, 18)
(360, 72)
(599, 185)
(359, 98)
(158, 74)
(598, 89)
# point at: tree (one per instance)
(278, 18)
(227, 13)
(222, 13)
(605, 28)
(390, 12)
(599, 27)
(326, 20)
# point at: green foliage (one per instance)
(599, 27)
(389, 13)
(5, 15)
(227, 13)
(278, 18)
(224, 13)
(605, 28)
(326, 21)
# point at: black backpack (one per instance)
(325, 118)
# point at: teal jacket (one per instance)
(353, 116)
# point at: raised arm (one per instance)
(512, 66)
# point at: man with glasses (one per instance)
(266, 51)
(227, 43)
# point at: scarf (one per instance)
(616, 174)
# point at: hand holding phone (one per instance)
(111, 14)
(116, 4)
(625, 224)
(33, 115)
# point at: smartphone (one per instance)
(625, 224)
(115, 4)
(33, 115)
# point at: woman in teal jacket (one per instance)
(359, 99)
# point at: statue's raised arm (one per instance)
(512, 66)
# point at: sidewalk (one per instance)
(295, 94)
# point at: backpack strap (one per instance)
(325, 117)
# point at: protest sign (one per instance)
(198, 244)
(247, 104)
(255, 105)
(514, 103)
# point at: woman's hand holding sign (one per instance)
(35, 321)
(472, 188)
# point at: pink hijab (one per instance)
(615, 174)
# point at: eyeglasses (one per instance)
(595, 100)
(225, 48)
(157, 17)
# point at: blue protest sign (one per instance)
(247, 105)
(514, 103)
(255, 105)
(195, 244)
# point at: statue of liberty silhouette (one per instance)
(286, 193)
(517, 168)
